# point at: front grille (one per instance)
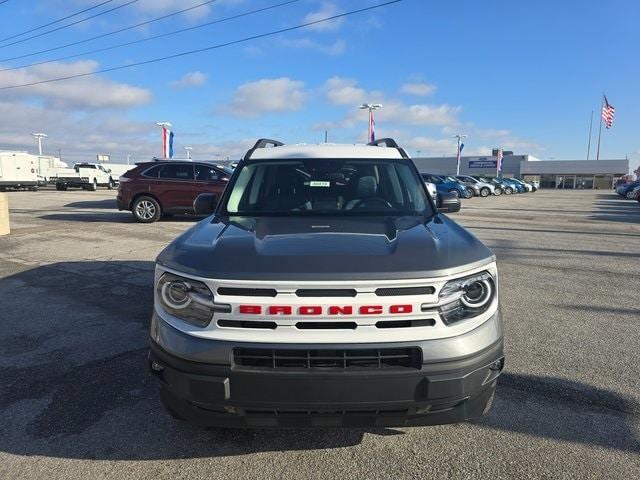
(379, 358)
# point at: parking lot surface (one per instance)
(76, 400)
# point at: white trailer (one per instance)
(49, 167)
(18, 170)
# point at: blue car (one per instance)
(443, 185)
(626, 189)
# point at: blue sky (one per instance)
(520, 75)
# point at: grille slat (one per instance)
(381, 358)
(326, 292)
(247, 292)
(399, 291)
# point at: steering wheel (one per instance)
(371, 203)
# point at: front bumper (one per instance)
(455, 382)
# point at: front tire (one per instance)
(508, 191)
(485, 192)
(498, 192)
(468, 194)
(630, 195)
(93, 186)
(61, 187)
(146, 210)
(111, 184)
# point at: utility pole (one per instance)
(39, 136)
(459, 137)
(372, 124)
(589, 142)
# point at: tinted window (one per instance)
(205, 173)
(327, 187)
(176, 171)
(153, 172)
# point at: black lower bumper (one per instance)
(231, 396)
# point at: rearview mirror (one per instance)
(448, 203)
(205, 203)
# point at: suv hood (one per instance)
(329, 248)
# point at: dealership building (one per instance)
(591, 174)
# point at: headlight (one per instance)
(466, 297)
(187, 299)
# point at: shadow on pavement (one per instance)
(109, 203)
(74, 382)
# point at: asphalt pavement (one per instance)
(76, 400)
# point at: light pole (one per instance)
(372, 124)
(39, 136)
(165, 126)
(459, 137)
(188, 150)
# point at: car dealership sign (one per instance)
(483, 163)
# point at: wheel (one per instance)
(508, 190)
(455, 193)
(468, 193)
(111, 184)
(61, 186)
(146, 210)
(93, 186)
(33, 189)
(485, 192)
(630, 194)
(498, 192)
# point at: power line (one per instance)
(154, 37)
(54, 22)
(70, 24)
(108, 33)
(204, 49)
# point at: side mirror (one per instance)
(205, 203)
(448, 203)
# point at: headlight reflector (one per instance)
(466, 297)
(189, 300)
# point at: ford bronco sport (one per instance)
(326, 290)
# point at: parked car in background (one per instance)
(626, 189)
(88, 176)
(525, 185)
(469, 191)
(635, 193)
(156, 189)
(499, 186)
(484, 189)
(446, 186)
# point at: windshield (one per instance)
(339, 187)
(452, 179)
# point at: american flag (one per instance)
(372, 127)
(608, 113)
(499, 161)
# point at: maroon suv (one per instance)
(154, 189)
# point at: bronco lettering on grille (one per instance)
(332, 310)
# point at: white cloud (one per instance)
(84, 92)
(419, 89)
(327, 9)
(190, 79)
(344, 91)
(419, 114)
(338, 47)
(267, 95)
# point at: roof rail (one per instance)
(262, 143)
(391, 143)
(385, 142)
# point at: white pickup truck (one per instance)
(88, 176)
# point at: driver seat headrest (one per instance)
(367, 187)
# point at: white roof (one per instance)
(325, 150)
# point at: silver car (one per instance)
(483, 189)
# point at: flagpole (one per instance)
(589, 143)
(600, 130)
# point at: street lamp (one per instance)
(371, 107)
(459, 137)
(188, 150)
(39, 136)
